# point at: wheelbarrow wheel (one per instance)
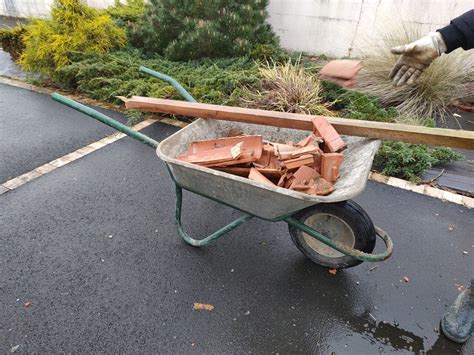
(345, 222)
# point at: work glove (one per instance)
(416, 57)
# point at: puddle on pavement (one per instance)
(391, 337)
(344, 322)
(388, 334)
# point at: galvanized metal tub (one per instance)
(264, 201)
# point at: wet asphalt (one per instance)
(91, 262)
(35, 130)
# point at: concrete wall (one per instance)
(334, 27)
(341, 27)
(37, 8)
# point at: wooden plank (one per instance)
(388, 131)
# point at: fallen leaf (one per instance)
(406, 279)
(333, 271)
(203, 307)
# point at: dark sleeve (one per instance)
(460, 32)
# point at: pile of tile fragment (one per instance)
(310, 166)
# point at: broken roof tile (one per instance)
(342, 72)
(254, 143)
(255, 175)
(293, 164)
(330, 165)
(332, 139)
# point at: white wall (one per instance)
(37, 8)
(341, 27)
(334, 27)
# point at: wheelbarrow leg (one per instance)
(216, 235)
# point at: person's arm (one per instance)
(460, 32)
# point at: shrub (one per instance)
(73, 27)
(187, 29)
(409, 161)
(364, 107)
(10, 39)
(125, 15)
(357, 105)
(267, 52)
(286, 87)
(116, 74)
(440, 84)
(334, 95)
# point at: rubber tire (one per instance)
(356, 218)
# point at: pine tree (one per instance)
(193, 29)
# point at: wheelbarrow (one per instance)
(332, 231)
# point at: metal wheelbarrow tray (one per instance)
(261, 200)
(332, 230)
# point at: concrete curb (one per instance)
(426, 190)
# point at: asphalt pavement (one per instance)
(91, 262)
(34, 130)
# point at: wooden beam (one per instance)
(380, 130)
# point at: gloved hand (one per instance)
(416, 57)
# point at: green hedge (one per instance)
(116, 74)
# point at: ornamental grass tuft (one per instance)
(287, 87)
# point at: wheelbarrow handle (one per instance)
(173, 82)
(105, 119)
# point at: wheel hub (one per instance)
(332, 227)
